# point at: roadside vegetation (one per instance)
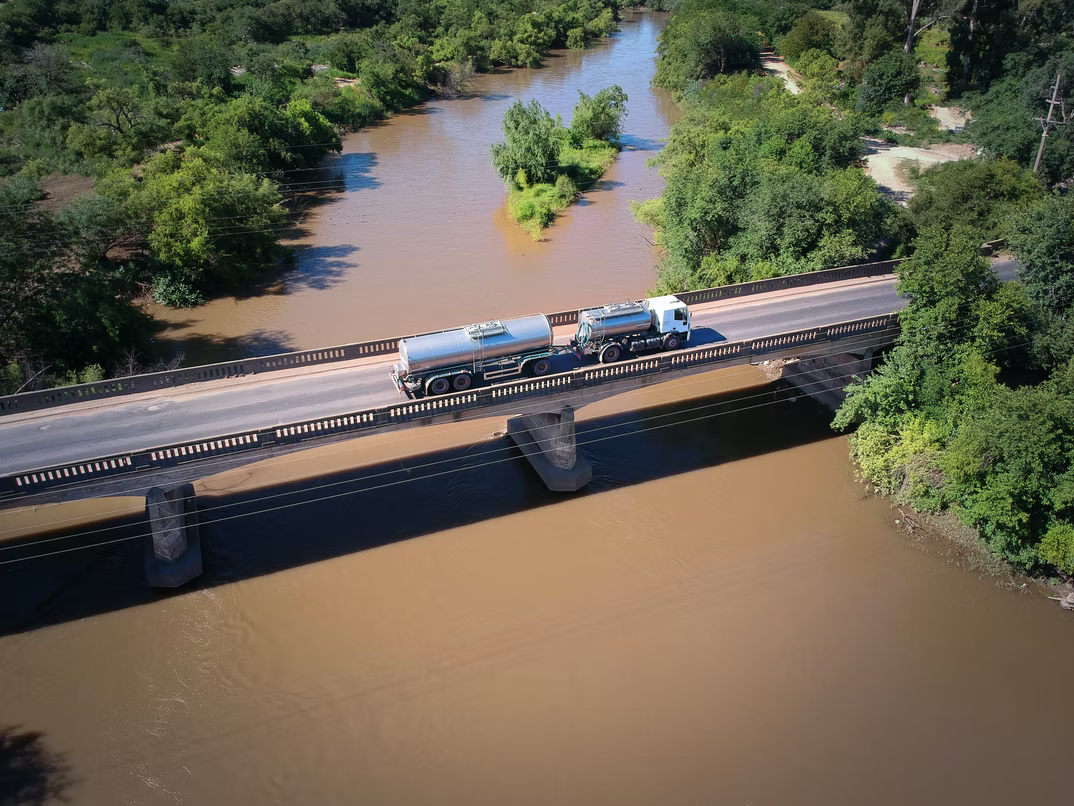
(761, 183)
(150, 150)
(546, 164)
(972, 412)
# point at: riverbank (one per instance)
(964, 547)
(380, 232)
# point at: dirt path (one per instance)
(777, 67)
(952, 118)
(883, 160)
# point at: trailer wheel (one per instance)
(610, 353)
(438, 386)
(672, 341)
(540, 366)
(462, 381)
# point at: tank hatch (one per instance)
(621, 309)
(485, 329)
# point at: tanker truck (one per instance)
(656, 323)
(452, 360)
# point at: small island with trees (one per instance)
(546, 164)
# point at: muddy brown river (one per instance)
(419, 237)
(721, 617)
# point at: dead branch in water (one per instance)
(1065, 602)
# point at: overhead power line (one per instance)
(412, 469)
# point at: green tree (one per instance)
(976, 193)
(60, 307)
(209, 225)
(121, 125)
(697, 46)
(599, 117)
(249, 134)
(1057, 547)
(533, 143)
(892, 76)
(1043, 239)
(1010, 467)
(820, 77)
(199, 58)
(811, 32)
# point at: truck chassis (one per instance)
(461, 377)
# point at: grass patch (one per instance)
(535, 206)
(931, 53)
(840, 18)
(115, 47)
(913, 125)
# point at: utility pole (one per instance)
(1047, 123)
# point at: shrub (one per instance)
(811, 32)
(564, 190)
(1057, 547)
(176, 291)
(599, 117)
(890, 77)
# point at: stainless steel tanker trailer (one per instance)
(437, 363)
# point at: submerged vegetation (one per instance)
(169, 137)
(546, 164)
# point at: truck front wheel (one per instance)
(672, 341)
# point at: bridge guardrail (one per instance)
(136, 384)
(27, 483)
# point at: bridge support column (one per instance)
(173, 549)
(548, 440)
(825, 378)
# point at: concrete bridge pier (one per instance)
(173, 549)
(825, 378)
(548, 441)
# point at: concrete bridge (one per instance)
(130, 435)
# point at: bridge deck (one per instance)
(81, 432)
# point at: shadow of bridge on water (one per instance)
(251, 534)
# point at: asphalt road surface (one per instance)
(84, 431)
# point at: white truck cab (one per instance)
(670, 315)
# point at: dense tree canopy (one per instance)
(762, 183)
(188, 115)
(977, 193)
(939, 427)
(704, 40)
(1043, 237)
